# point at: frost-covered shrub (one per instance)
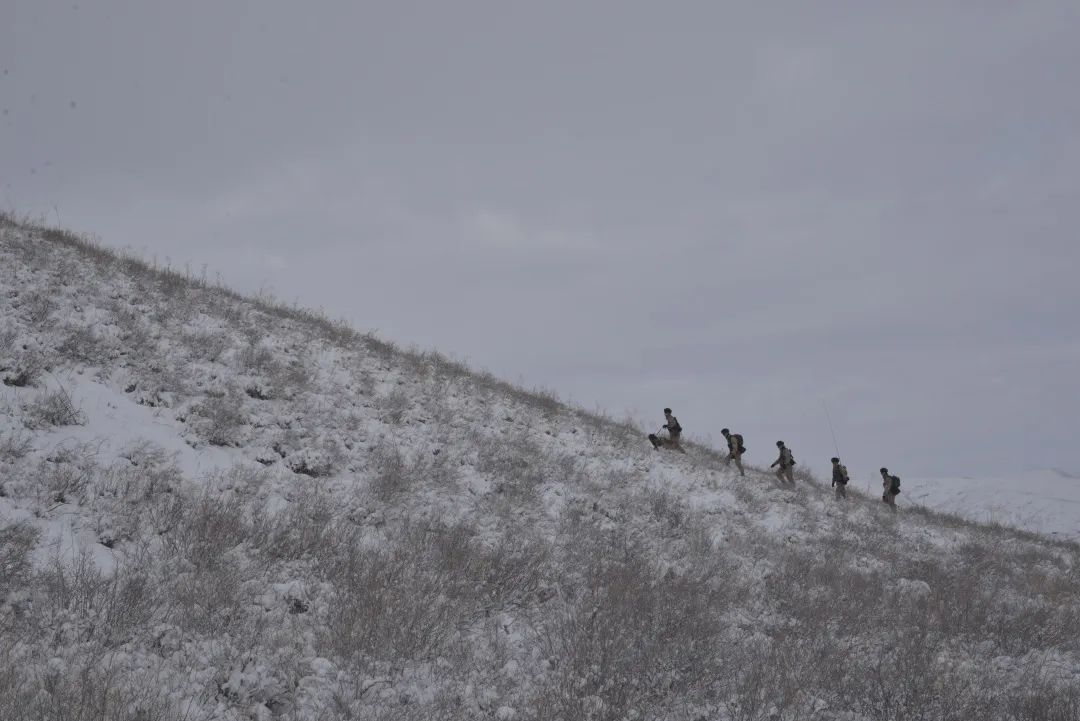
(402, 600)
(315, 462)
(221, 420)
(64, 481)
(82, 344)
(242, 479)
(8, 336)
(15, 445)
(393, 406)
(391, 473)
(518, 465)
(16, 542)
(174, 285)
(515, 573)
(803, 585)
(668, 511)
(206, 571)
(395, 471)
(23, 369)
(52, 408)
(136, 334)
(624, 634)
(149, 470)
(209, 597)
(88, 683)
(207, 345)
(100, 607)
(210, 527)
(293, 378)
(256, 358)
(305, 529)
(36, 308)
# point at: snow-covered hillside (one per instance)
(1040, 501)
(214, 507)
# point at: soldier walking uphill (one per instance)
(839, 478)
(736, 449)
(890, 486)
(786, 462)
(674, 433)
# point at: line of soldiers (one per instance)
(784, 464)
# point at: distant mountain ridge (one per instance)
(1046, 501)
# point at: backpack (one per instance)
(675, 427)
(843, 472)
(739, 443)
(894, 485)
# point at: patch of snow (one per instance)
(1046, 502)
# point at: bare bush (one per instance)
(256, 358)
(93, 685)
(16, 542)
(147, 473)
(388, 605)
(15, 445)
(318, 462)
(221, 420)
(667, 511)
(208, 345)
(293, 378)
(8, 335)
(393, 406)
(64, 481)
(52, 408)
(103, 608)
(395, 472)
(391, 472)
(136, 334)
(625, 635)
(305, 529)
(36, 308)
(207, 576)
(517, 465)
(25, 370)
(82, 344)
(406, 598)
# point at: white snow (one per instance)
(1046, 501)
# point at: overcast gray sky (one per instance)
(738, 209)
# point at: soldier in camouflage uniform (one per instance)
(786, 462)
(736, 449)
(839, 478)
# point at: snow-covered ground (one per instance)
(216, 508)
(1045, 501)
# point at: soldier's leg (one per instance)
(789, 475)
(738, 464)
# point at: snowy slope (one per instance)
(1041, 501)
(214, 507)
